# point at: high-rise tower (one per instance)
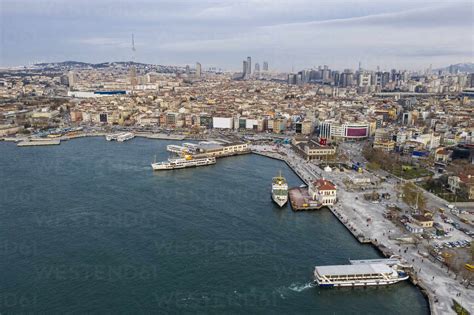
(249, 67)
(257, 67)
(245, 69)
(198, 70)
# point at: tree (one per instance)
(413, 196)
(373, 166)
(472, 250)
(460, 166)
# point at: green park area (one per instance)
(410, 172)
(392, 163)
(439, 190)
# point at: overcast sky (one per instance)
(287, 33)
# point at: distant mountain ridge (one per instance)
(460, 67)
(64, 65)
(70, 63)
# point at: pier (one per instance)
(437, 283)
(277, 156)
(345, 221)
(160, 136)
(301, 200)
(38, 142)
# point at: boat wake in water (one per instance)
(297, 287)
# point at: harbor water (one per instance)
(87, 226)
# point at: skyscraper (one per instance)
(257, 67)
(71, 78)
(265, 66)
(249, 66)
(133, 75)
(198, 70)
(347, 78)
(325, 74)
(245, 68)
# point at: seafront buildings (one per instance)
(423, 115)
(105, 96)
(323, 191)
(387, 138)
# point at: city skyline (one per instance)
(301, 34)
(237, 156)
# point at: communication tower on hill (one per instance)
(133, 70)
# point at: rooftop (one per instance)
(421, 218)
(323, 184)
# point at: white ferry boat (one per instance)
(358, 275)
(111, 137)
(120, 137)
(279, 190)
(125, 136)
(172, 164)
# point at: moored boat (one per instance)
(279, 190)
(358, 275)
(178, 163)
(125, 136)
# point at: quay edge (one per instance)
(361, 238)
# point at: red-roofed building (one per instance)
(324, 191)
(463, 182)
(442, 155)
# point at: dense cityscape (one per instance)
(231, 184)
(404, 139)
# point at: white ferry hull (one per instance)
(179, 165)
(126, 136)
(361, 283)
(358, 275)
(279, 200)
(120, 137)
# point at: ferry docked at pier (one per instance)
(125, 136)
(188, 161)
(279, 190)
(120, 137)
(358, 274)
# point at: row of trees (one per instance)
(390, 162)
(412, 195)
(379, 159)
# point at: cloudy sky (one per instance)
(287, 33)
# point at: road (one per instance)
(442, 286)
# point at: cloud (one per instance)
(402, 34)
(102, 41)
(285, 32)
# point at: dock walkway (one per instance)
(301, 200)
(33, 143)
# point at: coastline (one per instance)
(381, 248)
(147, 135)
(305, 177)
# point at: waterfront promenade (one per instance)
(440, 285)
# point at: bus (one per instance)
(469, 267)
